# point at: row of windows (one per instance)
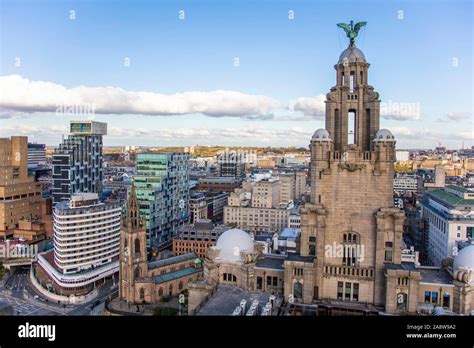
(347, 291)
(360, 272)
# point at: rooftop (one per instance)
(227, 298)
(435, 276)
(171, 260)
(271, 262)
(298, 257)
(449, 198)
(290, 233)
(176, 274)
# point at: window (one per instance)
(347, 296)
(137, 273)
(339, 290)
(434, 297)
(351, 122)
(269, 280)
(469, 232)
(298, 290)
(446, 300)
(142, 294)
(402, 301)
(259, 283)
(388, 252)
(137, 246)
(275, 281)
(351, 82)
(355, 292)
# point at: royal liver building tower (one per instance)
(351, 233)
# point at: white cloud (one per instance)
(18, 94)
(310, 106)
(457, 116)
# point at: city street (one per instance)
(26, 300)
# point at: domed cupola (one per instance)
(384, 135)
(321, 135)
(352, 55)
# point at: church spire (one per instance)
(133, 210)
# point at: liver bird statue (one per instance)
(351, 30)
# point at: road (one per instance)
(25, 300)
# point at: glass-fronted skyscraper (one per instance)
(162, 187)
(78, 161)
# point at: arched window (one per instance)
(402, 300)
(171, 289)
(298, 290)
(137, 245)
(180, 286)
(142, 294)
(137, 273)
(160, 292)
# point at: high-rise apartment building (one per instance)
(20, 195)
(77, 162)
(162, 188)
(86, 245)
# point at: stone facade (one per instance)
(147, 282)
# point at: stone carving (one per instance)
(371, 95)
(351, 167)
(464, 275)
(212, 253)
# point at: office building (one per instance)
(162, 186)
(36, 155)
(449, 218)
(197, 238)
(20, 195)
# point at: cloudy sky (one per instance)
(230, 72)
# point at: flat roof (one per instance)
(176, 274)
(435, 276)
(271, 262)
(449, 198)
(227, 298)
(171, 260)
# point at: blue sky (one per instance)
(420, 52)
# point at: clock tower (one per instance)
(350, 231)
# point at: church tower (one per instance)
(350, 229)
(133, 257)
